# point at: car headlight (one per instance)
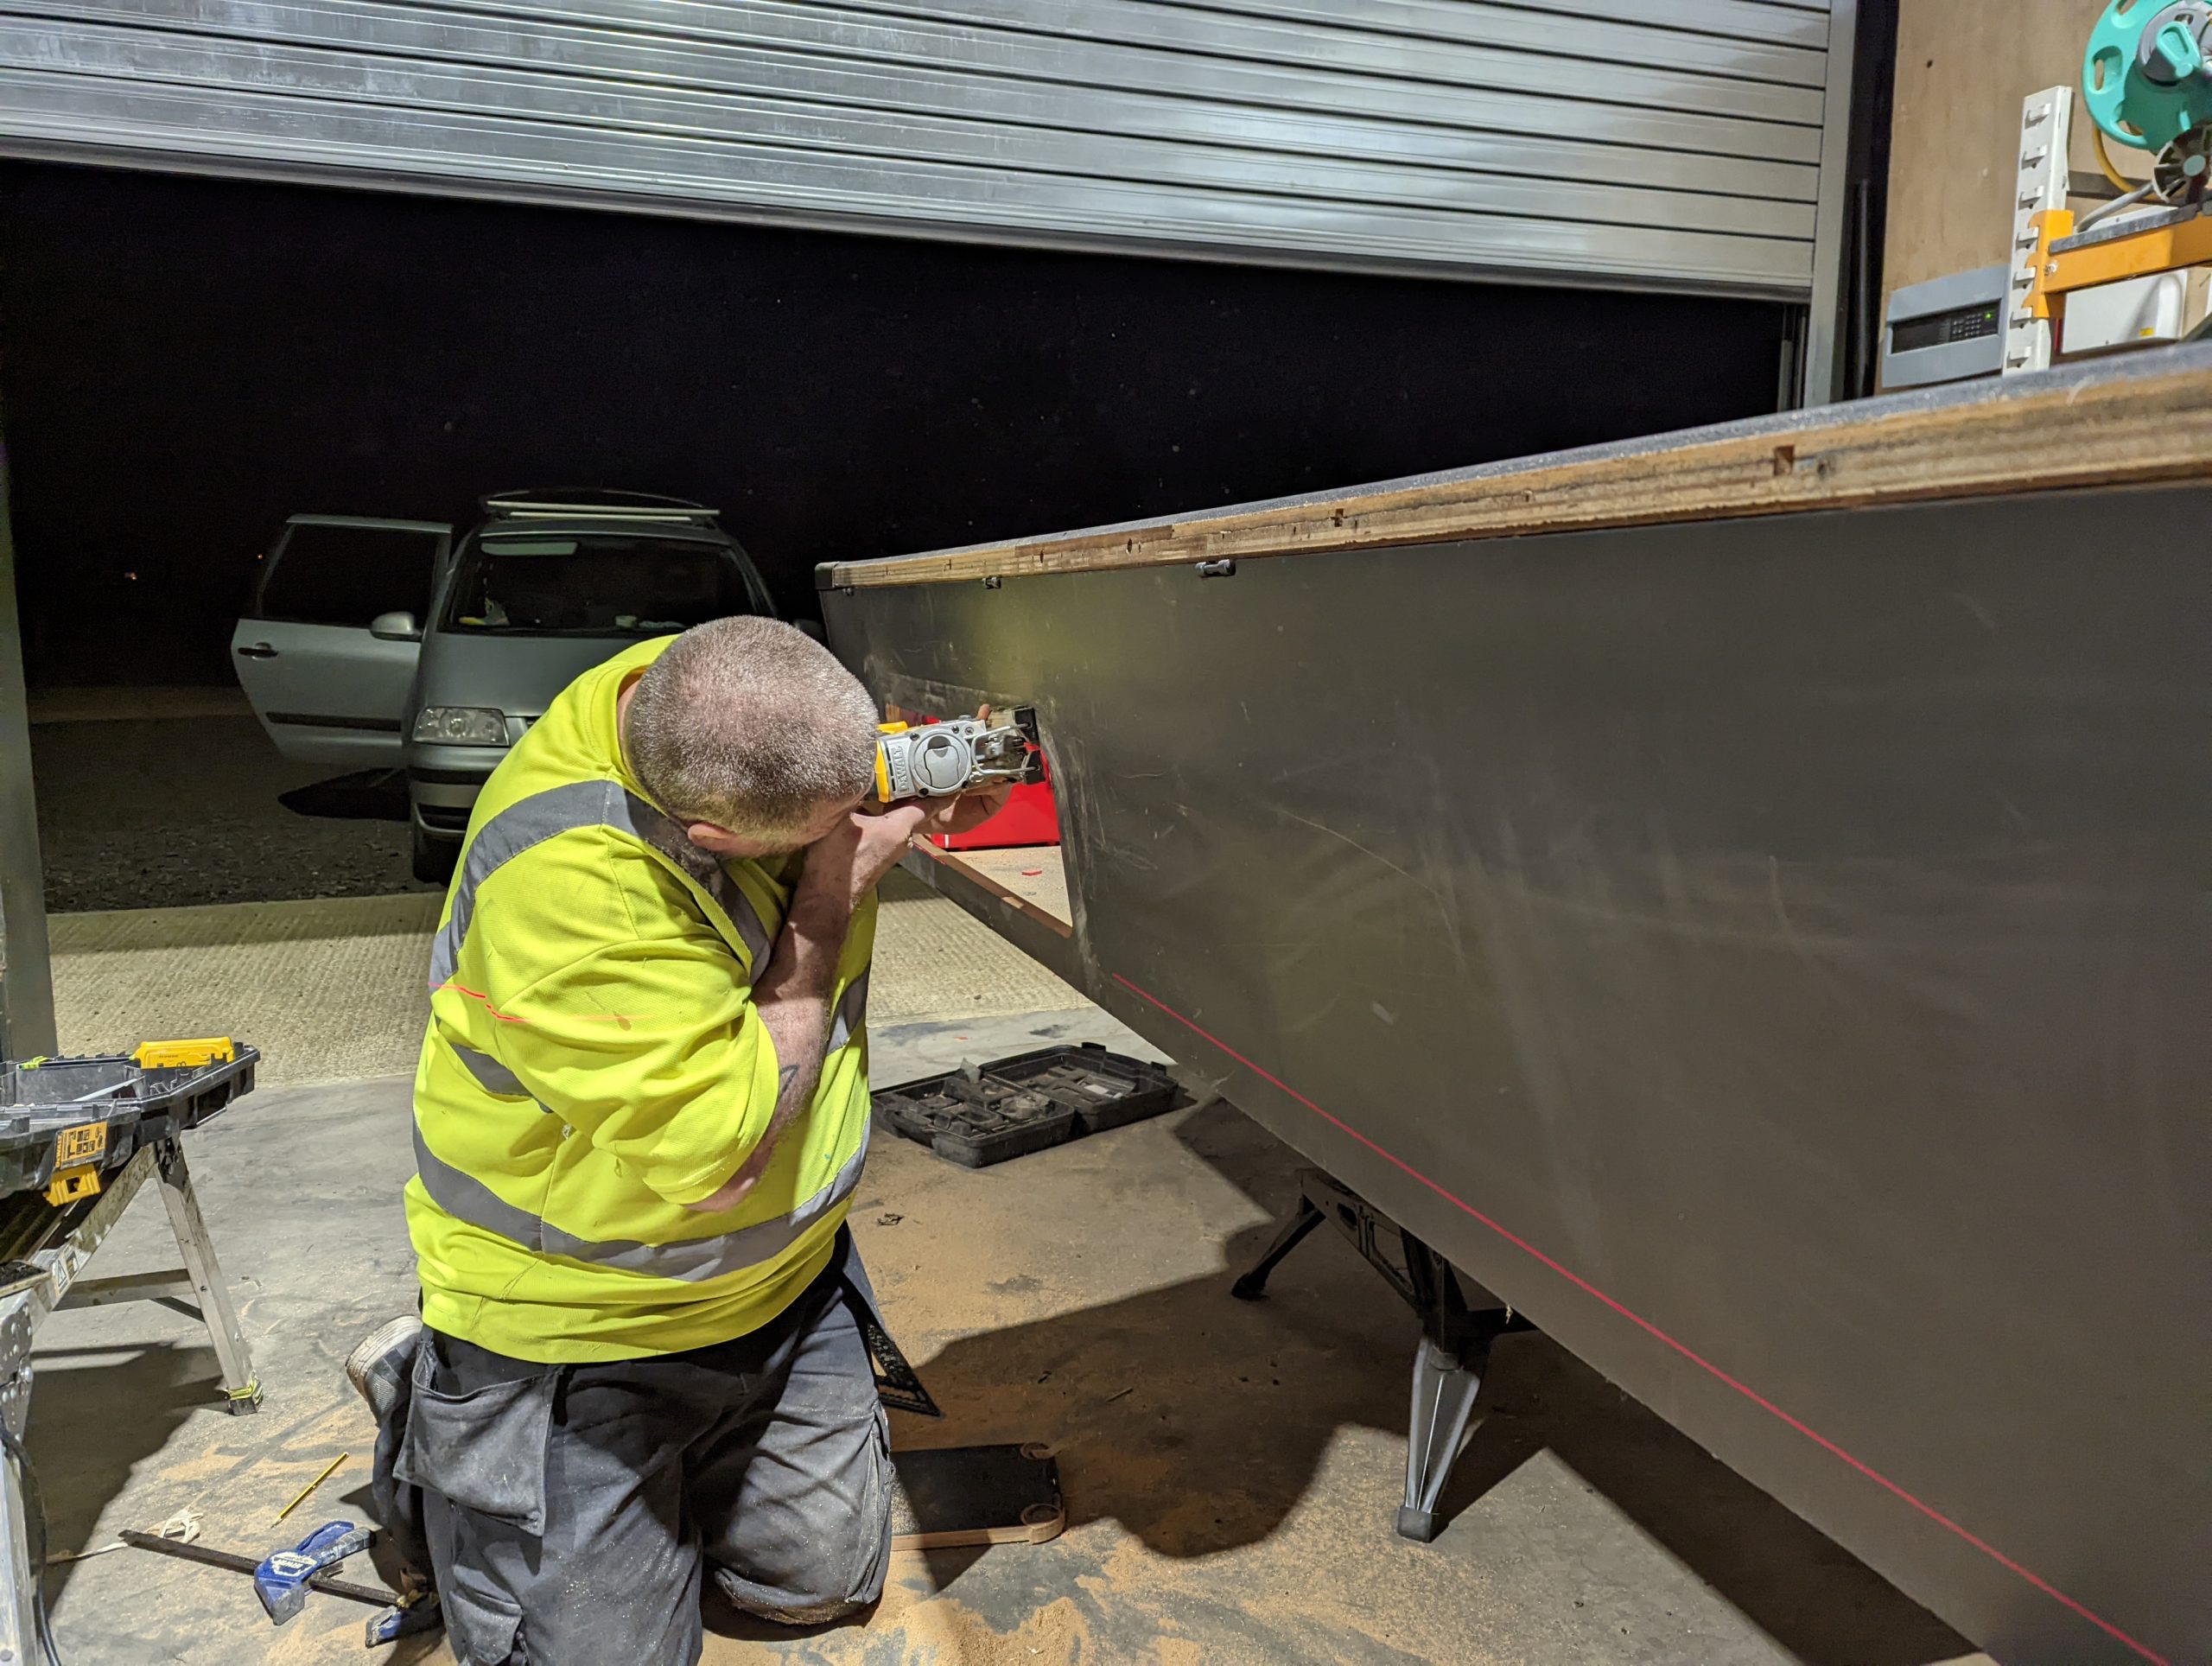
(462, 726)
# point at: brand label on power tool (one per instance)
(930, 763)
(79, 1144)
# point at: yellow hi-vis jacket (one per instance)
(594, 1062)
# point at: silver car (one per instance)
(341, 670)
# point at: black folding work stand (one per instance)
(1460, 1319)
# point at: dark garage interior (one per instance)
(189, 360)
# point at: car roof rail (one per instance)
(595, 503)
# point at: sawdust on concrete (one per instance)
(910, 1627)
(1189, 1426)
(1230, 1469)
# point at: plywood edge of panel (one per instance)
(959, 862)
(2138, 419)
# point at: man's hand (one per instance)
(963, 814)
(845, 865)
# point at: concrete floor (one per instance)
(332, 989)
(1230, 1469)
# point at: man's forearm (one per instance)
(792, 997)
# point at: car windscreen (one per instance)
(612, 584)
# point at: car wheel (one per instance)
(431, 859)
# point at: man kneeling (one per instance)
(640, 1112)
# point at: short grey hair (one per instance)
(752, 725)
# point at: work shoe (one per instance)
(378, 1365)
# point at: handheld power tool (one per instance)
(936, 760)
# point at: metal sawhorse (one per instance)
(58, 1243)
(1460, 1319)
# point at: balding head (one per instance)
(749, 725)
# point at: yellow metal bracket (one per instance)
(2163, 248)
(2058, 272)
(2138, 254)
(2050, 225)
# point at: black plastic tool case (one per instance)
(43, 1100)
(1015, 1106)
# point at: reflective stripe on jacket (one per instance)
(593, 1063)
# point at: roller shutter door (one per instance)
(1673, 143)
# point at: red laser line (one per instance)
(484, 1001)
(623, 1019)
(1645, 1325)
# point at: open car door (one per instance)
(327, 654)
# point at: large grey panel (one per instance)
(1771, 953)
(1678, 145)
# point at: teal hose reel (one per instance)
(2147, 75)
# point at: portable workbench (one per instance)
(79, 1139)
(1738, 895)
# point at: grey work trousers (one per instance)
(570, 1510)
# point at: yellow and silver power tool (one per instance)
(936, 760)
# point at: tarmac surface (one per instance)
(164, 812)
